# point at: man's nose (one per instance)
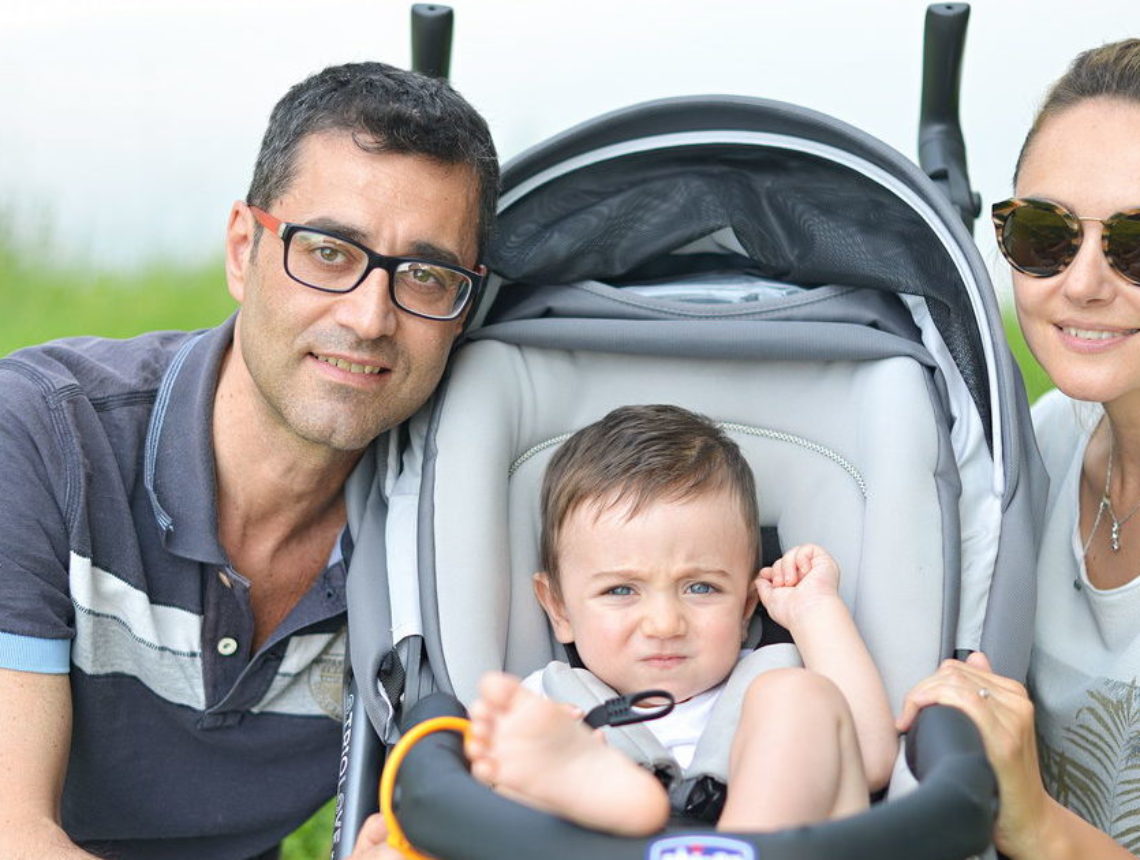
(368, 310)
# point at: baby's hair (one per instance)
(1110, 71)
(637, 455)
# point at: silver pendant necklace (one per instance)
(1106, 504)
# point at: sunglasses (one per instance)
(1041, 238)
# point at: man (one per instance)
(173, 534)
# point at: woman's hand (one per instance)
(1003, 713)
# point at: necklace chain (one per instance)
(1106, 504)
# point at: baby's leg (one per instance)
(795, 758)
(536, 751)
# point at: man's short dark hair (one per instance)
(385, 109)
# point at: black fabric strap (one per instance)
(392, 677)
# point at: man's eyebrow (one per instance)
(345, 231)
(431, 251)
(422, 249)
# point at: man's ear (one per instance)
(554, 607)
(239, 249)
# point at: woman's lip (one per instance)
(1086, 338)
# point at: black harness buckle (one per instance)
(619, 711)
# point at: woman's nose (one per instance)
(1089, 279)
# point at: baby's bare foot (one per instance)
(536, 751)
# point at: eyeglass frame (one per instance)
(285, 230)
(1003, 209)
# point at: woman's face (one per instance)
(1083, 325)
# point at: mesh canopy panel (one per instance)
(795, 218)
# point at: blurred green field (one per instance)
(1036, 380)
(40, 304)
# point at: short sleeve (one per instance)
(37, 478)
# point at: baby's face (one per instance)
(659, 601)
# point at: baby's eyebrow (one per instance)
(615, 573)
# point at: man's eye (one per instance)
(316, 249)
(425, 277)
(330, 254)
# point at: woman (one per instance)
(1069, 770)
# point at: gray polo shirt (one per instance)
(184, 744)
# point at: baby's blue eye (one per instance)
(702, 588)
(620, 591)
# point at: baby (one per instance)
(650, 549)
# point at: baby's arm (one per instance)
(801, 592)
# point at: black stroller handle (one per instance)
(431, 39)
(361, 759)
(941, 148)
(949, 816)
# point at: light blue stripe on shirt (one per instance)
(29, 654)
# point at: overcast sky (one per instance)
(128, 127)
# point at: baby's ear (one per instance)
(750, 601)
(555, 609)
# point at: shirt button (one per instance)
(227, 646)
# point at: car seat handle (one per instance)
(941, 147)
(432, 25)
(619, 711)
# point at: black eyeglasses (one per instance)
(1041, 238)
(334, 264)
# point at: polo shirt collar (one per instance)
(179, 469)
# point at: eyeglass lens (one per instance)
(1039, 240)
(329, 263)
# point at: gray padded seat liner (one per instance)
(846, 454)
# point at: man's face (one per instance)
(336, 370)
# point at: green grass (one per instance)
(313, 839)
(1037, 382)
(43, 304)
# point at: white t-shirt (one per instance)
(681, 728)
(1086, 656)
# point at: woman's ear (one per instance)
(555, 609)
